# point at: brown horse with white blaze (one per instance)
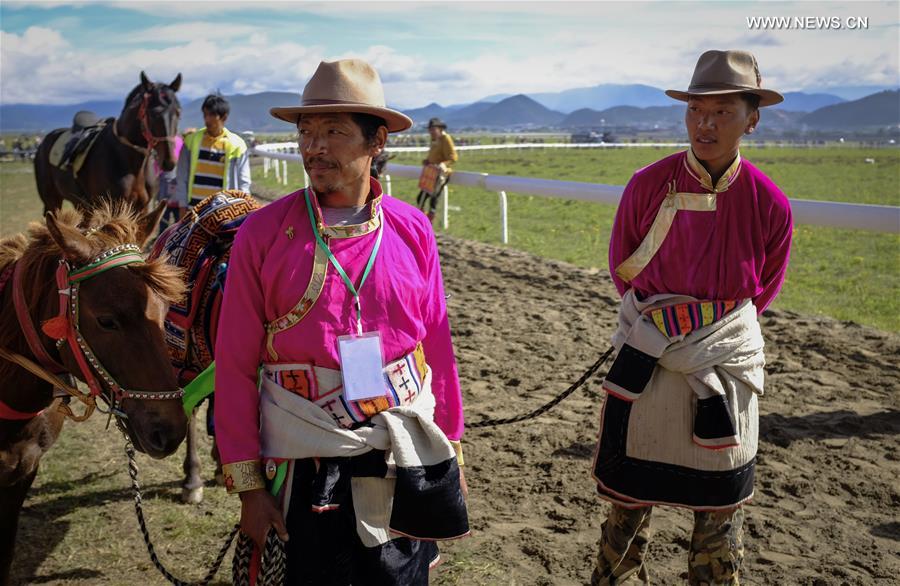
(118, 166)
(80, 298)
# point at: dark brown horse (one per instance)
(110, 327)
(119, 165)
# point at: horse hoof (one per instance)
(220, 478)
(192, 496)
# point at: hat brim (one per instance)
(766, 97)
(395, 121)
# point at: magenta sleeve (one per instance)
(625, 236)
(239, 344)
(777, 254)
(448, 413)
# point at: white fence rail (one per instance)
(291, 147)
(877, 218)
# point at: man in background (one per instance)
(436, 167)
(214, 159)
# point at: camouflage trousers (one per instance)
(717, 548)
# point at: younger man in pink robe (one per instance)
(699, 247)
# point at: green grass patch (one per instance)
(845, 274)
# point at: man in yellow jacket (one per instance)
(441, 155)
(214, 159)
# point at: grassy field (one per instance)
(846, 274)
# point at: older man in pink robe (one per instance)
(323, 284)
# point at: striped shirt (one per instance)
(209, 177)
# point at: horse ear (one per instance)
(148, 223)
(74, 245)
(145, 81)
(176, 84)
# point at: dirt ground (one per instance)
(827, 489)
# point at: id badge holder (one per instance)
(362, 366)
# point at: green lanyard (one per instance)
(340, 269)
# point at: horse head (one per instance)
(119, 302)
(156, 109)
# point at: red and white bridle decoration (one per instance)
(151, 139)
(65, 326)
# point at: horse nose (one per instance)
(162, 441)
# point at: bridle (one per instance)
(151, 139)
(65, 328)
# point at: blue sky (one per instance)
(66, 52)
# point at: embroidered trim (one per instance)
(243, 476)
(674, 201)
(404, 379)
(683, 318)
(320, 268)
(307, 300)
(457, 447)
(696, 170)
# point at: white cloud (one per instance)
(609, 43)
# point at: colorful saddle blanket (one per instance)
(200, 243)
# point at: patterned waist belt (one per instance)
(683, 318)
(403, 378)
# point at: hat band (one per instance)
(323, 102)
(723, 86)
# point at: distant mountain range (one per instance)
(881, 109)
(607, 106)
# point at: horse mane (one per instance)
(110, 225)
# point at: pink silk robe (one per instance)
(271, 262)
(738, 251)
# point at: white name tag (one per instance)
(362, 366)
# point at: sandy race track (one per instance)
(827, 489)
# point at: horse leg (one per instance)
(211, 432)
(11, 499)
(220, 476)
(192, 489)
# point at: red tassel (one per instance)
(56, 327)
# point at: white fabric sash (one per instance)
(725, 357)
(292, 427)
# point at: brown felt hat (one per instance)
(348, 85)
(727, 72)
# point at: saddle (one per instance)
(71, 148)
(200, 244)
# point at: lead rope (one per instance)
(273, 563)
(133, 472)
(552, 403)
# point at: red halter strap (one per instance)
(27, 324)
(145, 125)
(31, 336)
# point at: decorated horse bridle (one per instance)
(65, 328)
(151, 139)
